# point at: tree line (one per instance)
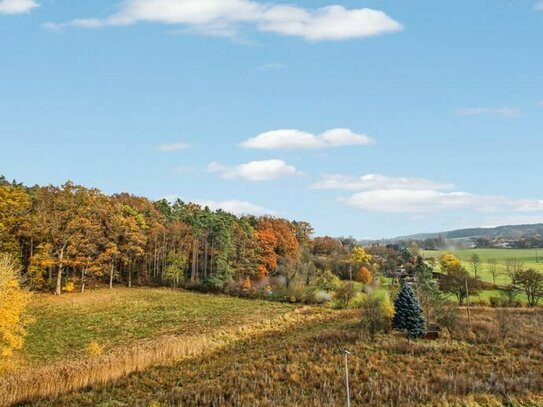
(70, 237)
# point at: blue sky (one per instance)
(370, 118)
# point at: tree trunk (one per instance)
(111, 274)
(129, 274)
(194, 261)
(58, 287)
(83, 271)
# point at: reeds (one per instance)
(61, 377)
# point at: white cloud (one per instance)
(378, 182)
(539, 6)
(17, 6)
(170, 147)
(237, 207)
(501, 111)
(225, 18)
(291, 139)
(234, 206)
(255, 170)
(420, 201)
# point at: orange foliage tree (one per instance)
(364, 276)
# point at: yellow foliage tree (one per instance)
(387, 307)
(449, 261)
(359, 256)
(13, 303)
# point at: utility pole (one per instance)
(346, 354)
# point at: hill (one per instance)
(506, 232)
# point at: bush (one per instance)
(344, 294)
(13, 303)
(326, 281)
(376, 315)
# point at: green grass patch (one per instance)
(532, 258)
(65, 325)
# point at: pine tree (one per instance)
(408, 313)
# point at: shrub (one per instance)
(95, 349)
(13, 303)
(344, 294)
(375, 316)
(326, 281)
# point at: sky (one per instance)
(367, 118)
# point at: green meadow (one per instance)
(532, 258)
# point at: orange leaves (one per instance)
(364, 276)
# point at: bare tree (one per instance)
(493, 269)
(512, 267)
(475, 264)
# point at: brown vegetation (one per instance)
(302, 365)
(65, 376)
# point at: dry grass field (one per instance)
(295, 359)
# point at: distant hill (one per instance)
(507, 232)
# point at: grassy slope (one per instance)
(528, 257)
(304, 366)
(65, 325)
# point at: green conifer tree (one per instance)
(408, 313)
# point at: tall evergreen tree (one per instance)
(408, 313)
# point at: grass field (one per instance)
(530, 258)
(65, 325)
(303, 366)
(135, 329)
(175, 348)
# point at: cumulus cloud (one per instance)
(171, 147)
(480, 111)
(265, 170)
(378, 182)
(226, 17)
(420, 201)
(17, 6)
(291, 139)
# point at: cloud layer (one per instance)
(377, 182)
(17, 6)
(237, 207)
(226, 17)
(291, 139)
(265, 170)
(409, 201)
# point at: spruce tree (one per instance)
(408, 313)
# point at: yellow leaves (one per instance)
(69, 287)
(387, 307)
(13, 302)
(359, 256)
(449, 261)
(95, 349)
(247, 284)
